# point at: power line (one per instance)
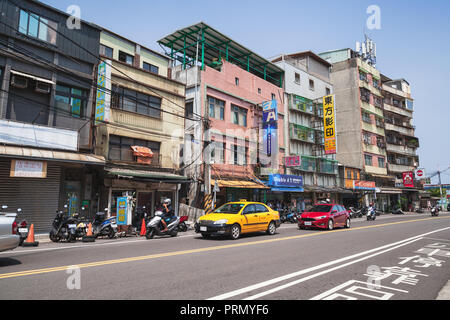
(95, 56)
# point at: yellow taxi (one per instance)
(236, 218)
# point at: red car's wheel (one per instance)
(330, 224)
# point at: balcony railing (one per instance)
(301, 133)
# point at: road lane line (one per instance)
(315, 268)
(293, 283)
(200, 250)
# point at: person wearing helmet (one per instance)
(167, 212)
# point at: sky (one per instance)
(412, 42)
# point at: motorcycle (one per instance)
(82, 225)
(154, 226)
(104, 227)
(22, 228)
(419, 210)
(355, 213)
(397, 211)
(291, 217)
(434, 211)
(182, 227)
(63, 227)
(371, 213)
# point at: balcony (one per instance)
(401, 129)
(301, 133)
(373, 148)
(372, 109)
(401, 149)
(372, 128)
(328, 166)
(375, 170)
(398, 168)
(301, 104)
(398, 110)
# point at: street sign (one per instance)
(216, 187)
(420, 174)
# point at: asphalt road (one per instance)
(394, 257)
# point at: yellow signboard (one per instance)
(329, 125)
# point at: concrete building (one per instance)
(226, 85)
(306, 82)
(364, 125)
(141, 134)
(46, 75)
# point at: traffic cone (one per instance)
(30, 242)
(89, 237)
(143, 228)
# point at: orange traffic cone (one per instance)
(143, 228)
(89, 237)
(30, 242)
(89, 233)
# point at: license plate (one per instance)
(114, 225)
(308, 223)
(70, 226)
(23, 230)
(203, 229)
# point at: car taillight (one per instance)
(14, 227)
(23, 224)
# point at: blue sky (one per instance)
(413, 42)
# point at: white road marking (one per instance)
(315, 268)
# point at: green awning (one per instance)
(149, 175)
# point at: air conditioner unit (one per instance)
(43, 87)
(18, 81)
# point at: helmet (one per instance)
(167, 201)
(158, 213)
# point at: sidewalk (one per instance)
(444, 294)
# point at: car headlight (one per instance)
(321, 217)
(222, 221)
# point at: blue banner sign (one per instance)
(284, 180)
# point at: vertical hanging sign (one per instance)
(329, 124)
(270, 125)
(103, 101)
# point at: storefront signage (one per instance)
(436, 186)
(284, 180)
(420, 174)
(408, 179)
(292, 161)
(24, 134)
(270, 126)
(360, 185)
(28, 169)
(329, 124)
(122, 211)
(103, 102)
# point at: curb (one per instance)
(444, 294)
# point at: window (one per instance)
(189, 109)
(259, 90)
(106, 51)
(273, 96)
(132, 101)
(151, 68)
(216, 108)
(368, 160)
(362, 76)
(70, 101)
(327, 91)
(120, 148)
(218, 152)
(366, 117)
(239, 115)
(311, 84)
(349, 175)
(124, 57)
(381, 162)
(37, 27)
(239, 155)
(249, 209)
(297, 78)
(236, 81)
(261, 208)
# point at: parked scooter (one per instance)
(355, 213)
(154, 226)
(371, 213)
(434, 211)
(183, 226)
(22, 228)
(104, 227)
(397, 210)
(419, 210)
(82, 225)
(291, 217)
(63, 227)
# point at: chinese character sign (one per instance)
(408, 179)
(329, 125)
(103, 101)
(122, 214)
(270, 126)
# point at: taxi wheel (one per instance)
(272, 228)
(235, 231)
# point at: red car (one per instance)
(325, 216)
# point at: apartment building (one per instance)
(306, 82)
(226, 85)
(140, 128)
(46, 98)
(364, 126)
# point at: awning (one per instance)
(239, 184)
(390, 191)
(281, 189)
(142, 151)
(153, 176)
(31, 77)
(50, 155)
(382, 176)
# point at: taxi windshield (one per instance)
(232, 208)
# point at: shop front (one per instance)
(235, 190)
(145, 190)
(286, 191)
(42, 181)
